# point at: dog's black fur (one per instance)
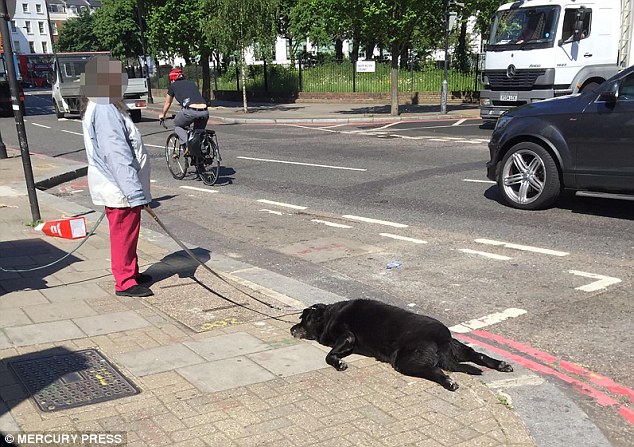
(415, 345)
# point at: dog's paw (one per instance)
(505, 367)
(451, 385)
(342, 366)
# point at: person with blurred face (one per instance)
(118, 169)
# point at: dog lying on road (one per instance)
(415, 345)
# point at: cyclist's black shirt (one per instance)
(185, 92)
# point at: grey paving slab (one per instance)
(74, 292)
(157, 360)
(4, 341)
(7, 423)
(109, 323)
(225, 346)
(291, 360)
(21, 299)
(59, 311)
(13, 317)
(43, 333)
(225, 374)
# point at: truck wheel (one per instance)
(589, 86)
(58, 113)
(135, 115)
(528, 177)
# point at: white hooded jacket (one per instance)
(118, 164)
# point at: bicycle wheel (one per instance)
(176, 161)
(208, 166)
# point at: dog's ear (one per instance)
(314, 311)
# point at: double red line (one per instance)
(600, 397)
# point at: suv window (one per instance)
(626, 89)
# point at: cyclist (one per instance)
(194, 107)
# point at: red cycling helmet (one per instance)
(175, 74)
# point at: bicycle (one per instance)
(207, 164)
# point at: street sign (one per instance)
(366, 66)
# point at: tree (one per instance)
(117, 28)
(175, 28)
(237, 25)
(395, 22)
(77, 35)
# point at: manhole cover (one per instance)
(71, 380)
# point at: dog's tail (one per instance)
(454, 352)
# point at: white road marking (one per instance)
(154, 145)
(544, 251)
(302, 164)
(74, 133)
(376, 221)
(487, 320)
(403, 238)
(279, 213)
(601, 282)
(478, 181)
(459, 122)
(62, 119)
(286, 205)
(198, 189)
(41, 125)
(330, 224)
(152, 181)
(485, 254)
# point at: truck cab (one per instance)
(67, 93)
(540, 49)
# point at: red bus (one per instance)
(36, 69)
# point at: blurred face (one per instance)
(103, 78)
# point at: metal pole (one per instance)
(146, 70)
(443, 94)
(3, 149)
(17, 110)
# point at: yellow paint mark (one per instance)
(218, 324)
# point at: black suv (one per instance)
(583, 143)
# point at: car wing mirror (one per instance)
(610, 94)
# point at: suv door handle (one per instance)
(587, 55)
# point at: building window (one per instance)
(38, 8)
(16, 46)
(40, 25)
(54, 28)
(27, 27)
(25, 7)
(44, 47)
(13, 27)
(31, 47)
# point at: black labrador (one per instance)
(415, 345)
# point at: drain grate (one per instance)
(71, 380)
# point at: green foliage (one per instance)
(235, 25)
(77, 34)
(116, 27)
(174, 28)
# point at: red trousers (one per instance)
(125, 224)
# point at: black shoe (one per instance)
(143, 278)
(135, 291)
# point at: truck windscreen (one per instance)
(72, 69)
(524, 28)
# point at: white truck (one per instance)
(539, 49)
(67, 90)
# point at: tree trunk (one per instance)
(339, 49)
(369, 49)
(461, 49)
(204, 62)
(243, 65)
(394, 81)
(354, 56)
